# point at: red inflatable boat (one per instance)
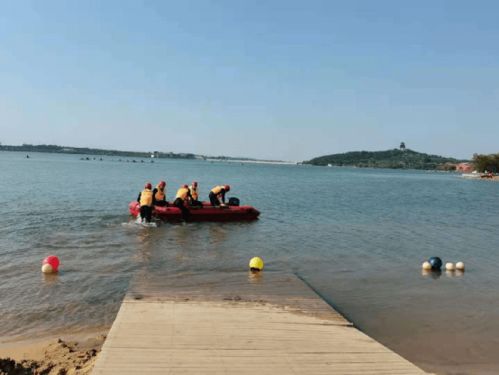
(205, 213)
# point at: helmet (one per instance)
(148, 186)
(162, 184)
(227, 187)
(195, 184)
(186, 187)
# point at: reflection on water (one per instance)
(218, 234)
(145, 246)
(255, 277)
(50, 279)
(359, 242)
(434, 274)
(455, 273)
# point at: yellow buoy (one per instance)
(256, 264)
(460, 266)
(426, 266)
(450, 266)
(47, 268)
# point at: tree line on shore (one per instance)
(403, 158)
(103, 152)
(94, 151)
(482, 162)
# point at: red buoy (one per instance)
(53, 261)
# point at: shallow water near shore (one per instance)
(357, 236)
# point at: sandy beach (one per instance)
(70, 353)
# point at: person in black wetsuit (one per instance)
(182, 197)
(217, 195)
(145, 200)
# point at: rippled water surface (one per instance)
(357, 236)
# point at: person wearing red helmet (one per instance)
(195, 195)
(217, 195)
(159, 195)
(145, 200)
(183, 196)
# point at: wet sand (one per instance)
(72, 354)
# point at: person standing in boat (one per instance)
(194, 195)
(183, 196)
(159, 195)
(145, 200)
(217, 195)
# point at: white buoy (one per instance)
(426, 266)
(450, 266)
(460, 266)
(47, 268)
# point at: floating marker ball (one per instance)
(426, 266)
(256, 264)
(450, 266)
(460, 266)
(53, 261)
(435, 262)
(47, 268)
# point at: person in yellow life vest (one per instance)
(217, 195)
(195, 195)
(159, 195)
(182, 197)
(145, 200)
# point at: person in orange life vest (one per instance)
(145, 200)
(217, 195)
(195, 195)
(159, 195)
(182, 197)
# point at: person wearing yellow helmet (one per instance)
(145, 200)
(159, 195)
(182, 197)
(217, 195)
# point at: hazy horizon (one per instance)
(282, 80)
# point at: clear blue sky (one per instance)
(270, 79)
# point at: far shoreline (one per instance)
(97, 152)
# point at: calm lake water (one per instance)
(357, 236)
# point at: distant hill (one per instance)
(396, 159)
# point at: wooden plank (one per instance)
(234, 325)
(267, 288)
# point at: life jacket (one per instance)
(182, 193)
(217, 190)
(146, 198)
(194, 193)
(160, 195)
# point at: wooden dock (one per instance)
(237, 323)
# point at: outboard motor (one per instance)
(233, 201)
